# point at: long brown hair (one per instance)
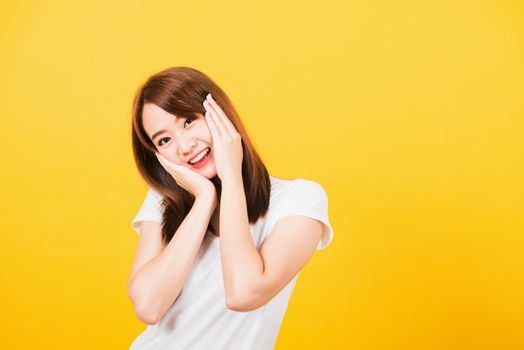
(181, 91)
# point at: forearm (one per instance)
(242, 265)
(157, 285)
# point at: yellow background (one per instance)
(409, 113)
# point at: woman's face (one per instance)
(179, 139)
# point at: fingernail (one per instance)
(209, 96)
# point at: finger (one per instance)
(169, 166)
(214, 116)
(218, 120)
(219, 115)
(211, 121)
(167, 161)
(164, 165)
(227, 122)
(215, 132)
(160, 158)
(215, 105)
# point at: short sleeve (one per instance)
(304, 198)
(151, 209)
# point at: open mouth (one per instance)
(200, 157)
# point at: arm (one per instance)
(251, 279)
(154, 288)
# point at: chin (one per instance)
(208, 172)
(211, 174)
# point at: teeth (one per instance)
(200, 156)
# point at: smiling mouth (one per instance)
(200, 156)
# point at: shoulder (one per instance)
(299, 197)
(152, 193)
(296, 196)
(150, 210)
(153, 200)
(290, 190)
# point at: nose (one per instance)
(185, 145)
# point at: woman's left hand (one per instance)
(227, 142)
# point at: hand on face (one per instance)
(227, 142)
(187, 178)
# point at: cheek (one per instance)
(206, 134)
(167, 154)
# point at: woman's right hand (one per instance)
(188, 179)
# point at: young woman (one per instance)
(221, 241)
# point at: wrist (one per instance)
(207, 196)
(233, 179)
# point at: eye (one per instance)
(189, 119)
(160, 142)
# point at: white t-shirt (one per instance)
(199, 318)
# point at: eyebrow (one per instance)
(161, 131)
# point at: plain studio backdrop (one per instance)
(408, 113)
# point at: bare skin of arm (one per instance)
(158, 273)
